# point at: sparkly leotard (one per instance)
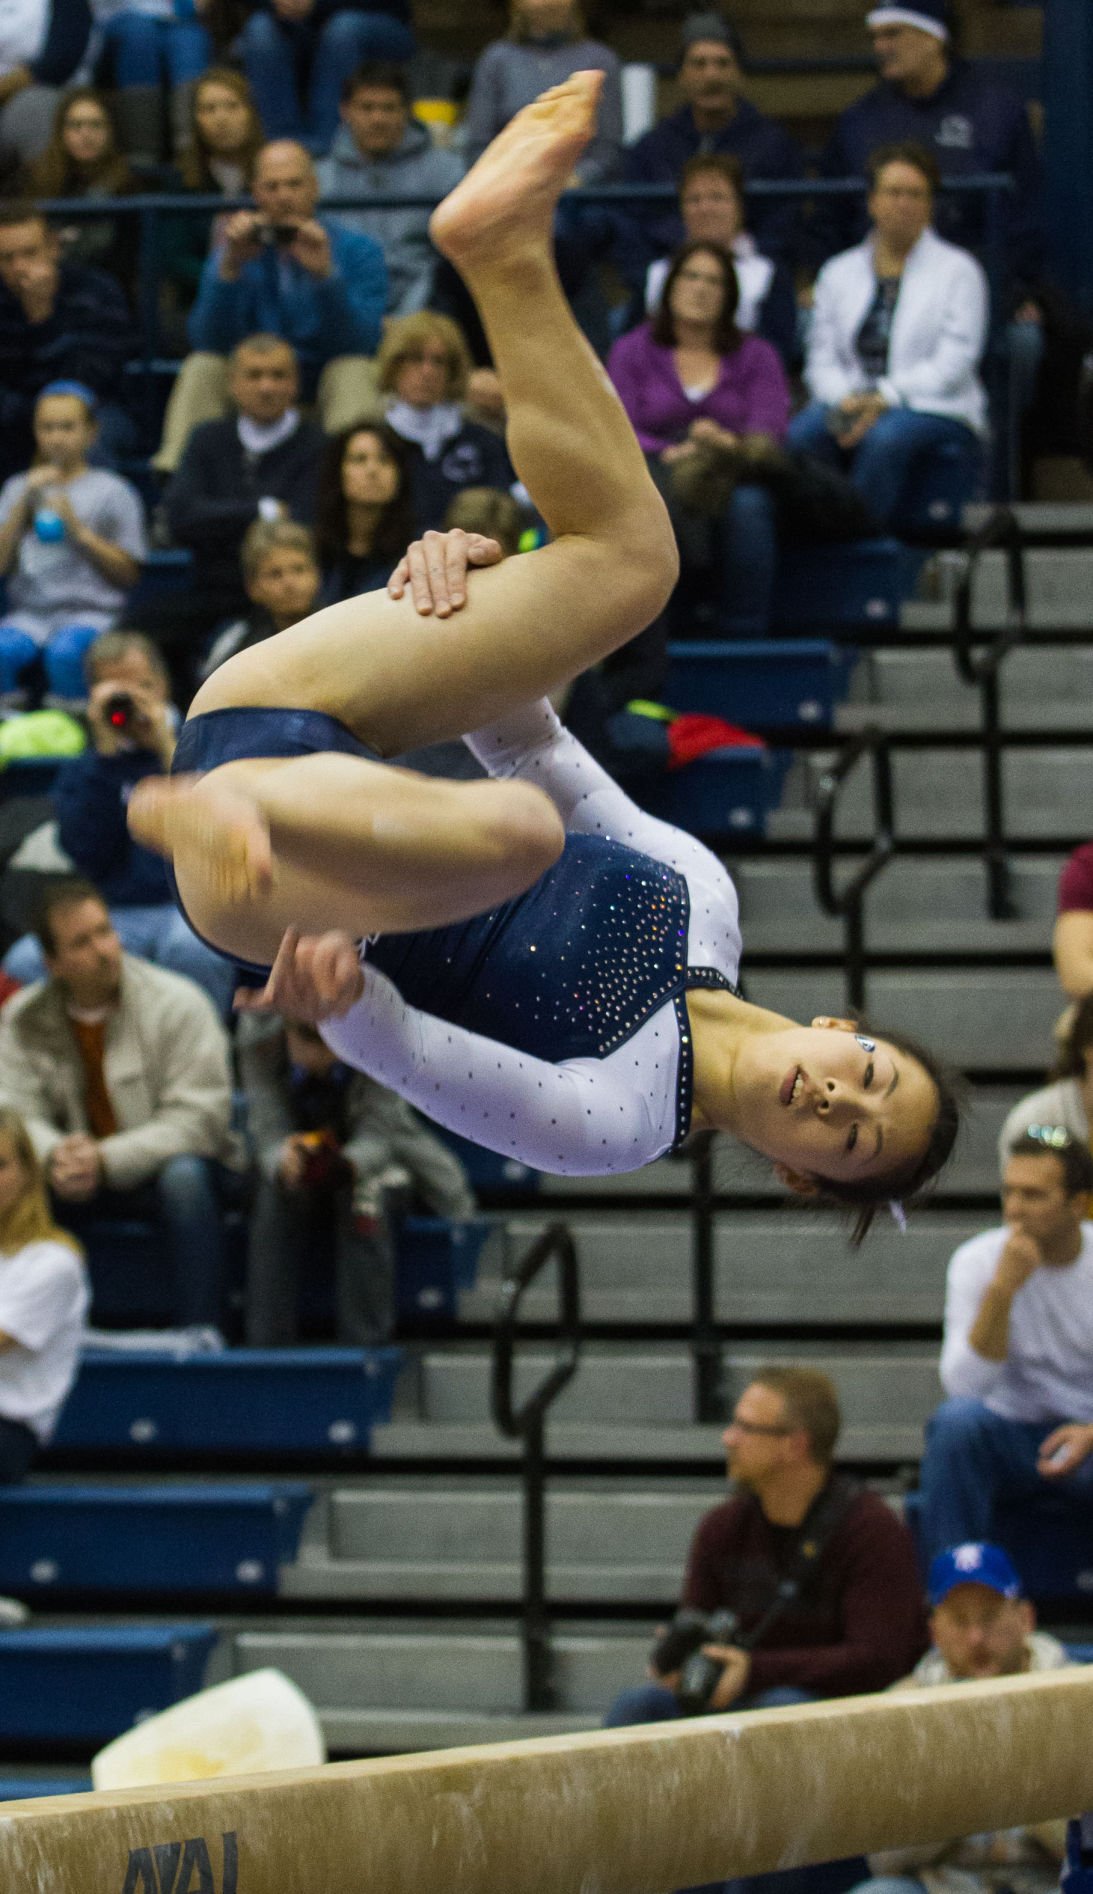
(554, 1028)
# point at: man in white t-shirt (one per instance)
(1017, 1354)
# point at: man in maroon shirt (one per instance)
(857, 1622)
(1073, 942)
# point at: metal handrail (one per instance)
(526, 1423)
(847, 903)
(979, 660)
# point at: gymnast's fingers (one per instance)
(396, 584)
(268, 999)
(336, 972)
(458, 546)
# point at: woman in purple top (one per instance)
(691, 383)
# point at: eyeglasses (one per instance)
(701, 276)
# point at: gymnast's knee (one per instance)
(526, 829)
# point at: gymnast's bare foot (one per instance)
(214, 835)
(510, 194)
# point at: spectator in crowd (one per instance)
(711, 203)
(43, 1313)
(71, 544)
(364, 519)
(854, 1621)
(298, 54)
(547, 41)
(423, 368)
(1017, 1355)
(132, 723)
(83, 159)
(41, 48)
(281, 270)
(58, 321)
(899, 325)
(981, 1627)
(154, 52)
(224, 138)
(1072, 943)
(262, 462)
(702, 398)
(965, 117)
(331, 1146)
(121, 1072)
(381, 150)
(281, 577)
(714, 117)
(1067, 1102)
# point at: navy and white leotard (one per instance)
(554, 1029)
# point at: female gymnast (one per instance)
(587, 1019)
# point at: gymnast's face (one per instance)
(825, 1101)
(981, 1634)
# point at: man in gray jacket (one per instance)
(120, 1070)
(382, 151)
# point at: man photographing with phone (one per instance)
(806, 1581)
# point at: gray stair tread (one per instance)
(924, 935)
(959, 715)
(1033, 515)
(496, 1582)
(694, 1445)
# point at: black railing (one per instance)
(709, 1392)
(979, 659)
(848, 901)
(526, 1422)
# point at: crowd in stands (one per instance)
(335, 399)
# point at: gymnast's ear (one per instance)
(799, 1182)
(823, 1024)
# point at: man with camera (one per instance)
(802, 1585)
(131, 724)
(281, 270)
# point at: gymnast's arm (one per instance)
(581, 1117)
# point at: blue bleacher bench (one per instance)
(246, 1400)
(87, 1686)
(167, 569)
(861, 582)
(174, 1539)
(767, 683)
(723, 794)
(1048, 1536)
(29, 1788)
(437, 1262)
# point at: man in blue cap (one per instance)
(964, 116)
(981, 1627)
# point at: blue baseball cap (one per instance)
(977, 1563)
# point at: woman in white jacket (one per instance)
(899, 324)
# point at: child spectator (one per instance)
(364, 518)
(547, 41)
(152, 47)
(423, 368)
(330, 1145)
(71, 545)
(83, 159)
(297, 55)
(282, 579)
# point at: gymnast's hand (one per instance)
(436, 566)
(314, 977)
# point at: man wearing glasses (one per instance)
(854, 1621)
(1017, 1354)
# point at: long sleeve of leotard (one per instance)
(578, 1117)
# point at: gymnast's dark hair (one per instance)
(906, 1185)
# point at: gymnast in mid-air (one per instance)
(528, 958)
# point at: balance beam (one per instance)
(635, 1811)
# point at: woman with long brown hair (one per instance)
(84, 159)
(43, 1304)
(225, 137)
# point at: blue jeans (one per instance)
(145, 51)
(159, 934)
(62, 656)
(283, 58)
(184, 1199)
(973, 1458)
(747, 546)
(884, 466)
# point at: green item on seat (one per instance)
(40, 733)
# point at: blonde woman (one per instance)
(43, 1304)
(423, 368)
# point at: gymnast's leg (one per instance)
(399, 680)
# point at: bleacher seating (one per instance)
(163, 1539)
(762, 684)
(86, 1685)
(278, 1401)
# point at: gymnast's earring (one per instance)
(867, 1045)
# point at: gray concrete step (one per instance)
(1060, 585)
(791, 1268)
(939, 794)
(912, 892)
(1042, 686)
(986, 1018)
